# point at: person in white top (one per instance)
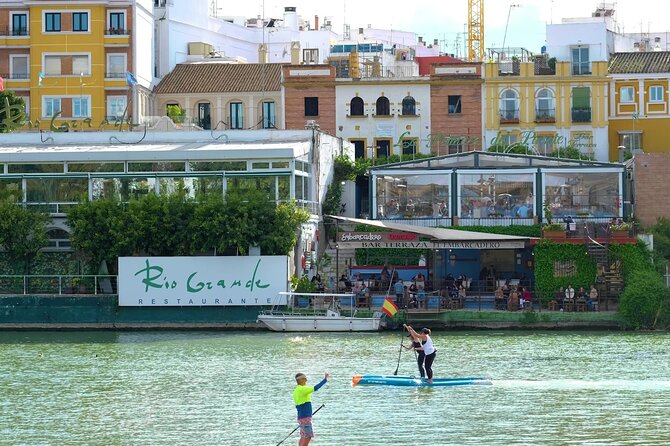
(569, 292)
(428, 348)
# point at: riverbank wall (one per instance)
(101, 312)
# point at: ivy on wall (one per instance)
(547, 253)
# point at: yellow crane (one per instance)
(475, 30)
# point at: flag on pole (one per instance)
(131, 79)
(40, 77)
(389, 307)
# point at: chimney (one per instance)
(316, 22)
(295, 53)
(263, 53)
(290, 18)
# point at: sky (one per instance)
(445, 19)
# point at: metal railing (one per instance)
(117, 32)
(581, 114)
(58, 284)
(545, 115)
(15, 76)
(509, 115)
(16, 32)
(56, 208)
(115, 75)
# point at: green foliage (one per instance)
(553, 227)
(302, 284)
(570, 152)
(12, 111)
(645, 303)
(552, 64)
(176, 113)
(175, 225)
(345, 169)
(548, 214)
(661, 231)
(363, 165)
(547, 253)
(383, 256)
(516, 148)
(23, 232)
(633, 257)
(518, 230)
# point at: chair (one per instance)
(553, 306)
(580, 305)
(568, 305)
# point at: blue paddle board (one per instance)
(412, 381)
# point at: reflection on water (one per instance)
(213, 388)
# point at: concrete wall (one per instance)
(652, 196)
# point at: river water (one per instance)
(222, 388)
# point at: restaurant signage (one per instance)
(413, 241)
(201, 281)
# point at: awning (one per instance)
(440, 238)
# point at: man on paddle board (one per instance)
(428, 348)
(302, 397)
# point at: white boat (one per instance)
(323, 313)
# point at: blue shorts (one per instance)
(306, 429)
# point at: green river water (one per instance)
(224, 388)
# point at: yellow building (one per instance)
(547, 109)
(70, 59)
(639, 115)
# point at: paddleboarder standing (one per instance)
(428, 348)
(417, 346)
(302, 397)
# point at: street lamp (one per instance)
(509, 11)
(622, 151)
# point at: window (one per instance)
(383, 106)
(545, 145)
(310, 56)
(581, 104)
(545, 110)
(631, 140)
(269, 115)
(18, 66)
(52, 22)
(409, 106)
(26, 100)
(117, 23)
(19, 24)
(236, 120)
(80, 21)
(454, 104)
(51, 107)
(80, 65)
(455, 145)
(656, 93)
(359, 148)
(356, 107)
(507, 139)
(627, 94)
(311, 106)
(580, 61)
(116, 66)
(52, 65)
(80, 107)
(383, 149)
(408, 146)
(116, 106)
(509, 106)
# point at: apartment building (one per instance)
(70, 60)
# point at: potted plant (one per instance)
(620, 230)
(554, 231)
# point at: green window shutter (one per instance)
(581, 97)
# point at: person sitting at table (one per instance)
(513, 301)
(570, 293)
(372, 282)
(499, 298)
(526, 298)
(559, 296)
(592, 300)
(581, 294)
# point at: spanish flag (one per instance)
(389, 307)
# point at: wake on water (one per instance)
(582, 384)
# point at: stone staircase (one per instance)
(609, 281)
(340, 263)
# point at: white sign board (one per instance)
(202, 281)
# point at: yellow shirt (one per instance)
(302, 394)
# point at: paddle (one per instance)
(402, 338)
(298, 427)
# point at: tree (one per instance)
(12, 111)
(176, 113)
(645, 303)
(100, 230)
(23, 232)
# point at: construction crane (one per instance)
(476, 30)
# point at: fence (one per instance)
(58, 284)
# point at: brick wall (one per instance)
(652, 194)
(299, 84)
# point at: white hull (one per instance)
(290, 322)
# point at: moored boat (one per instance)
(413, 381)
(313, 317)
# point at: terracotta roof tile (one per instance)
(640, 62)
(215, 77)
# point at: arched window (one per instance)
(545, 105)
(408, 106)
(509, 106)
(383, 106)
(357, 108)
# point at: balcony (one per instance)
(117, 32)
(581, 114)
(17, 32)
(15, 76)
(115, 75)
(545, 115)
(509, 116)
